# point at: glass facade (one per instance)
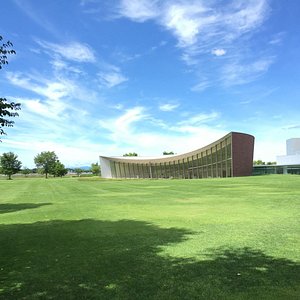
(274, 169)
(214, 160)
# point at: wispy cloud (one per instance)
(200, 119)
(296, 126)
(54, 90)
(241, 73)
(168, 106)
(202, 85)
(111, 78)
(131, 130)
(37, 17)
(64, 55)
(187, 20)
(204, 29)
(194, 21)
(123, 123)
(277, 38)
(73, 51)
(139, 10)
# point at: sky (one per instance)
(107, 77)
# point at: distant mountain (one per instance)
(85, 168)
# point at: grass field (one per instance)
(72, 238)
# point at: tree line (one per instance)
(259, 162)
(46, 162)
(135, 154)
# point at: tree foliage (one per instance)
(130, 154)
(95, 168)
(168, 153)
(59, 169)
(46, 161)
(78, 171)
(9, 164)
(5, 50)
(25, 171)
(259, 162)
(7, 109)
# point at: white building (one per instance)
(292, 156)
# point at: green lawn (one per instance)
(72, 238)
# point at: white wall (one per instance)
(288, 159)
(105, 168)
(293, 146)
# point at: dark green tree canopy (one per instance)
(259, 162)
(59, 169)
(130, 154)
(7, 109)
(46, 161)
(168, 153)
(9, 164)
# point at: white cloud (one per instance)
(190, 20)
(201, 86)
(200, 26)
(132, 115)
(111, 78)
(200, 119)
(59, 65)
(48, 109)
(245, 16)
(138, 10)
(168, 106)
(277, 38)
(218, 52)
(55, 87)
(73, 51)
(132, 131)
(54, 90)
(187, 20)
(122, 124)
(241, 73)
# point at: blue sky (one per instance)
(109, 77)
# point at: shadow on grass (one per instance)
(8, 207)
(91, 259)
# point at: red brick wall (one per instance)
(242, 154)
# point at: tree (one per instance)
(78, 171)
(6, 108)
(130, 154)
(59, 169)
(9, 164)
(95, 168)
(25, 171)
(259, 162)
(168, 153)
(46, 161)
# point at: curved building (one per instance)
(232, 155)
